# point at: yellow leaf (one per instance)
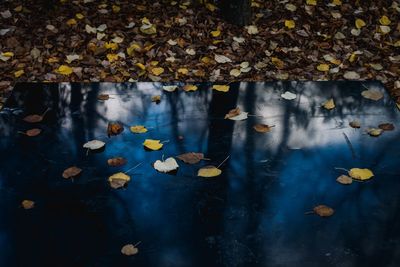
(360, 23)
(183, 71)
(337, 2)
(79, 16)
(112, 57)
(290, 24)
(132, 48)
(323, 67)
(384, 20)
(28, 204)
(217, 41)
(138, 129)
(211, 7)
(64, 70)
(156, 98)
(111, 45)
(71, 22)
(18, 9)
(190, 87)
(277, 62)
(216, 33)
(152, 144)
(140, 66)
(311, 2)
(221, 88)
(329, 104)
(398, 105)
(118, 180)
(53, 60)
(116, 9)
(207, 60)
(148, 29)
(397, 43)
(209, 171)
(353, 57)
(154, 63)
(375, 132)
(361, 174)
(7, 54)
(18, 73)
(157, 71)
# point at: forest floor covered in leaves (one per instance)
(89, 40)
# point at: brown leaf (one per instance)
(28, 204)
(129, 250)
(344, 179)
(263, 128)
(103, 97)
(233, 113)
(34, 118)
(386, 126)
(372, 94)
(33, 132)
(114, 128)
(71, 172)
(323, 211)
(191, 157)
(116, 162)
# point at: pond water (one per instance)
(253, 214)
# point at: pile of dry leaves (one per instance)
(165, 40)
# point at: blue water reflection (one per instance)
(251, 215)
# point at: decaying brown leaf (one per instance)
(156, 99)
(28, 204)
(34, 118)
(129, 250)
(116, 162)
(114, 128)
(233, 113)
(372, 94)
(103, 97)
(33, 132)
(71, 172)
(191, 157)
(344, 179)
(263, 128)
(386, 126)
(323, 211)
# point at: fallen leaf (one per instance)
(103, 97)
(64, 70)
(191, 157)
(384, 29)
(384, 20)
(168, 165)
(116, 162)
(236, 114)
(94, 144)
(114, 128)
(252, 29)
(375, 132)
(153, 144)
(71, 172)
(235, 72)
(360, 23)
(355, 124)
(372, 94)
(290, 24)
(19, 73)
(28, 204)
(35, 117)
(209, 171)
(344, 179)
(323, 67)
(263, 128)
(386, 126)
(33, 132)
(169, 88)
(215, 33)
(190, 87)
(222, 59)
(311, 2)
(329, 104)
(288, 95)
(156, 98)
(157, 71)
(129, 250)
(118, 180)
(351, 75)
(221, 88)
(361, 174)
(138, 129)
(323, 211)
(112, 57)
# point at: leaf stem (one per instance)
(223, 161)
(133, 168)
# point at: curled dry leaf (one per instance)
(263, 128)
(355, 124)
(191, 157)
(209, 171)
(361, 174)
(138, 129)
(236, 115)
(168, 165)
(34, 118)
(94, 144)
(33, 132)
(116, 162)
(329, 104)
(372, 94)
(344, 179)
(103, 97)
(114, 128)
(386, 126)
(323, 211)
(129, 250)
(221, 88)
(375, 132)
(152, 144)
(118, 180)
(28, 204)
(71, 172)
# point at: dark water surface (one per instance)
(250, 215)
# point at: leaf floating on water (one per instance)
(33, 132)
(189, 88)
(152, 144)
(221, 88)
(71, 172)
(372, 94)
(170, 88)
(103, 97)
(355, 124)
(323, 211)
(116, 162)
(361, 174)
(168, 165)
(386, 126)
(209, 171)
(329, 104)
(94, 144)
(191, 157)
(138, 129)
(118, 180)
(156, 99)
(344, 179)
(263, 128)
(34, 118)
(288, 95)
(114, 128)
(236, 115)
(129, 250)
(28, 204)
(375, 132)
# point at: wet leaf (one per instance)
(129, 250)
(323, 67)
(360, 23)
(114, 128)
(34, 118)
(103, 97)
(209, 171)
(170, 88)
(28, 204)
(190, 87)
(372, 94)
(116, 162)
(361, 174)
(71, 172)
(94, 144)
(222, 59)
(191, 157)
(221, 88)
(153, 144)
(33, 132)
(263, 128)
(19, 73)
(118, 180)
(64, 70)
(311, 2)
(168, 165)
(375, 132)
(323, 211)
(351, 75)
(386, 126)
(290, 24)
(138, 129)
(156, 99)
(157, 71)
(344, 179)
(384, 20)
(329, 104)
(355, 124)
(252, 29)
(288, 95)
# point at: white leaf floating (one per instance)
(242, 116)
(168, 165)
(170, 88)
(288, 95)
(94, 144)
